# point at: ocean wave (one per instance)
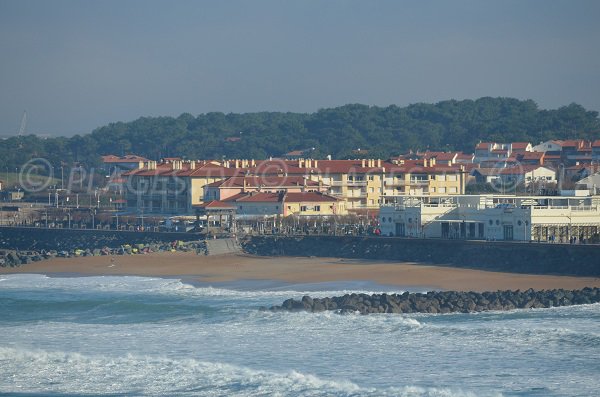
(159, 286)
(39, 371)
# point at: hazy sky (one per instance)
(78, 65)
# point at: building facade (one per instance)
(493, 217)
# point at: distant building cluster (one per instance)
(306, 187)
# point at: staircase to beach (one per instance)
(223, 246)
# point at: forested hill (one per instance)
(339, 132)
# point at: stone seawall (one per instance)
(531, 258)
(37, 239)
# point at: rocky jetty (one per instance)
(15, 258)
(443, 301)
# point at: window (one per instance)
(302, 208)
(383, 220)
(451, 178)
(371, 177)
(317, 208)
(452, 189)
(371, 190)
(442, 190)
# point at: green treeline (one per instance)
(339, 132)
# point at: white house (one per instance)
(492, 217)
(548, 146)
(513, 176)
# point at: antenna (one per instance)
(23, 124)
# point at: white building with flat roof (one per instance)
(492, 217)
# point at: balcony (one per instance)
(356, 183)
(419, 182)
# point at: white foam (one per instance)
(39, 371)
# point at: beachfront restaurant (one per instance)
(493, 217)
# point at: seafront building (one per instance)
(493, 217)
(175, 186)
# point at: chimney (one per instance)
(253, 163)
(141, 164)
(308, 163)
(193, 165)
(316, 164)
(237, 163)
(300, 163)
(432, 161)
(362, 163)
(379, 163)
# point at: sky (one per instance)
(78, 65)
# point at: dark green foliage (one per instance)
(383, 131)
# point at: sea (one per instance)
(140, 336)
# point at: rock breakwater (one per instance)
(443, 301)
(16, 258)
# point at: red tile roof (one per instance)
(265, 181)
(308, 197)
(129, 158)
(519, 145)
(216, 204)
(531, 156)
(259, 197)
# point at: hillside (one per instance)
(339, 132)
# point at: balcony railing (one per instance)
(419, 182)
(356, 183)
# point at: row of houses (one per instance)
(175, 186)
(553, 153)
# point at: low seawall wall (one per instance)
(532, 258)
(23, 238)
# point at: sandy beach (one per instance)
(226, 268)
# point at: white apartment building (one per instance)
(492, 217)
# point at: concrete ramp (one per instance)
(223, 246)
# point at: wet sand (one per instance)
(228, 268)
